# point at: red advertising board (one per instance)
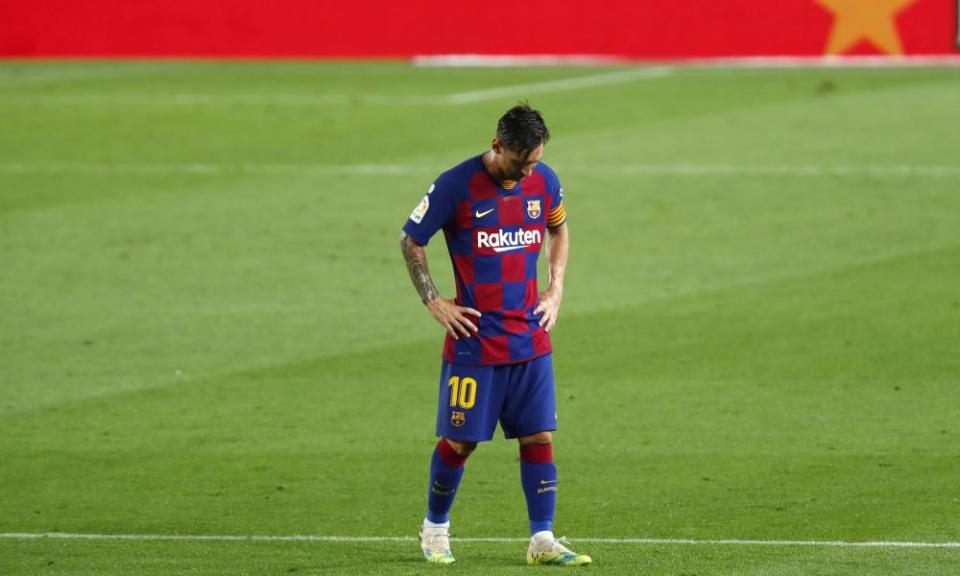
(653, 29)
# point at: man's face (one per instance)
(514, 164)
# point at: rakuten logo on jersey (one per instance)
(503, 241)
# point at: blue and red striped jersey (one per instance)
(494, 236)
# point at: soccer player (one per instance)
(496, 210)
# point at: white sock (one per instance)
(543, 536)
(429, 524)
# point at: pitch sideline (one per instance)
(560, 85)
(452, 99)
(362, 539)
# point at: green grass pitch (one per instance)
(207, 328)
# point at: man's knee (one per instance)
(462, 448)
(538, 438)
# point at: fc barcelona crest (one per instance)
(458, 418)
(533, 209)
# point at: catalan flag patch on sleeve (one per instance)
(556, 217)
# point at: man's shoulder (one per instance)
(549, 176)
(547, 172)
(460, 175)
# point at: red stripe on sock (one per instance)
(536, 453)
(449, 455)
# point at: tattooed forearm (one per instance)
(416, 259)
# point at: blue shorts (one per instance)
(474, 398)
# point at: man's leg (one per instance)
(538, 474)
(530, 415)
(446, 470)
(467, 410)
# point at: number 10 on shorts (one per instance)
(463, 392)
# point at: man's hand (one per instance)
(454, 318)
(548, 308)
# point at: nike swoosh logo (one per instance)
(548, 481)
(480, 214)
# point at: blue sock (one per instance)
(446, 470)
(538, 474)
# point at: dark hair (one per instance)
(522, 128)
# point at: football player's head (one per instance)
(521, 135)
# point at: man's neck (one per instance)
(489, 162)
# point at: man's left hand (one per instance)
(548, 308)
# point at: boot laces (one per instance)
(435, 538)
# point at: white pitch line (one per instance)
(774, 169)
(766, 62)
(805, 170)
(327, 99)
(361, 539)
(513, 61)
(33, 74)
(520, 90)
(220, 100)
(218, 169)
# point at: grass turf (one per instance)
(740, 355)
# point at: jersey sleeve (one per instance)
(433, 212)
(558, 213)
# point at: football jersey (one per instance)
(494, 236)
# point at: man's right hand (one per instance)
(456, 319)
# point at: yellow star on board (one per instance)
(872, 20)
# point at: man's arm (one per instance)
(558, 246)
(452, 317)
